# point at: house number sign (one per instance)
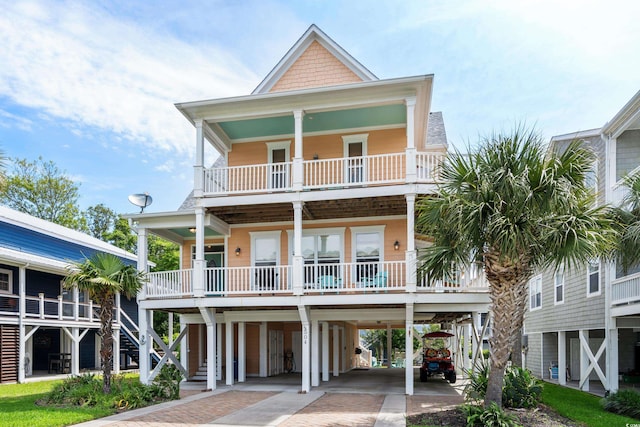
(305, 334)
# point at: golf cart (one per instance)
(437, 361)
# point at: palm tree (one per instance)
(627, 217)
(103, 276)
(513, 207)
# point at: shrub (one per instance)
(521, 389)
(167, 383)
(476, 388)
(624, 402)
(492, 416)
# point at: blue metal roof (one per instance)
(35, 243)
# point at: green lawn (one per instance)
(582, 407)
(18, 408)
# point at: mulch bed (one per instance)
(542, 416)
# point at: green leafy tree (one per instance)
(103, 276)
(514, 207)
(121, 236)
(100, 221)
(41, 189)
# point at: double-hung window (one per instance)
(535, 293)
(6, 281)
(558, 285)
(593, 277)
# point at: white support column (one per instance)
(263, 349)
(612, 360)
(562, 357)
(228, 331)
(169, 328)
(242, 352)
(145, 345)
(22, 339)
(209, 316)
(411, 143)
(298, 261)
(75, 352)
(297, 156)
(184, 346)
(198, 168)
(142, 259)
(466, 347)
(219, 351)
(584, 359)
(76, 304)
(306, 348)
(116, 350)
(336, 351)
(389, 344)
(409, 350)
(315, 353)
(325, 351)
(411, 254)
(199, 262)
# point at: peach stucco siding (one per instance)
(325, 146)
(314, 68)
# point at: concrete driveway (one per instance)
(372, 398)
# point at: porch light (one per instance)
(238, 250)
(192, 230)
(396, 245)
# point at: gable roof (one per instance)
(311, 36)
(29, 239)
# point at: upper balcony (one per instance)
(318, 279)
(625, 295)
(337, 173)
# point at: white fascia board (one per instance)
(452, 308)
(18, 258)
(576, 135)
(625, 310)
(262, 316)
(627, 115)
(358, 314)
(305, 196)
(279, 103)
(59, 232)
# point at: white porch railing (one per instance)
(457, 282)
(428, 167)
(248, 179)
(169, 284)
(56, 308)
(377, 169)
(355, 277)
(222, 281)
(353, 171)
(625, 289)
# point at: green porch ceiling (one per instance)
(384, 115)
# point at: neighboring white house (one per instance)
(585, 321)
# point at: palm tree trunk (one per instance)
(505, 279)
(106, 347)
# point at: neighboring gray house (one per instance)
(584, 321)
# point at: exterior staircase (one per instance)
(201, 373)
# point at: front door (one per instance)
(276, 352)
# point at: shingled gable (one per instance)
(314, 60)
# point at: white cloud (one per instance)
(8, 120)
(92, 69)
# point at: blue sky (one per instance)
(91, 85)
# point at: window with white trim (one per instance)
(535, 293)
(558, 285)
(265, 256)
(355, 152)
(367, 251)
(591, 180)
(6, 281)
(593, 277)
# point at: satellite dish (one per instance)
(142, 200)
